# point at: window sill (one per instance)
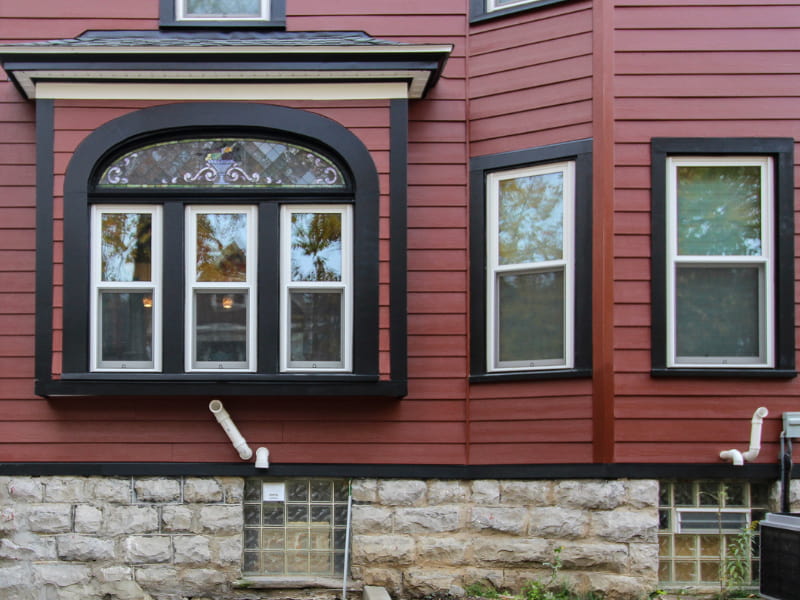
(216, 385)
(278, 583)
(725, 373)
(531, 375)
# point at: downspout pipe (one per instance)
(228, 426)
(738, 458)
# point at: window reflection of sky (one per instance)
(316, 247)
(126, 239)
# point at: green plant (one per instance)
(481, 590)
(736, 570)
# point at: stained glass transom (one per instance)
(222, 162)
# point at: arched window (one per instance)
(233, 243)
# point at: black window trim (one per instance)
(478, 12)
(318, 131)
(782, 152)
(579, 151)
(277, 20)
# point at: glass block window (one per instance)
(700, 523)
(221, 162)
(295, 527)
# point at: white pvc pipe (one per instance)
(737, 457)
(732, 455)
(224, 419)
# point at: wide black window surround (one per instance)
(677, 151)
(181, 120)
(579, 154)
(169, 18)
(482, 10)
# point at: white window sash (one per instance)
(565, 265)
(343, 287)
(493, 5)
(180, 14)
(764, 263)
(154, 286)
(193, 288)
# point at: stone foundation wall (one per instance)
(85, 538)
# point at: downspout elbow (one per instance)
(236, 438)
(732, 455)
(755, 434)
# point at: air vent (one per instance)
(712, 520)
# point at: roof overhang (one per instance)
(151, 65)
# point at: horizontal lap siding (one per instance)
(687, 70)
(530, 84)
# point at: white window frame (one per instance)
(249, 287)
(763, 262)
(98, 286)
(180, 14)
(492, 5)
(345, 287)
(565, 264)
(680, 527)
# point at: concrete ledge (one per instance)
(283, 583)
(375, 592)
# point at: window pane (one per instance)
(221, 327)
(125, 249)
(316, 326)
(531, 219)
(531, 316)
(717, 311)
(226, 8)
(316, 247)
(719, 210)
(221, 247)
(126, 327)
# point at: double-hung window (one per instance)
(484, 9)
(530, 252)
(723, 220)
(223, 13)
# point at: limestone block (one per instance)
(88, 519)
(401, 492)
(50, 518)
(62, 575)
(624, 525)
(177, 518)
(113, 573)
(192, 549)
(557, 522)
(65, 489)
(365, 490)
(222, 519)
(124, 590)
(144, 549)
(371, 519)
(202, 490)
(642, 493)
(158, 489)
(383, 549)
(607, 557)
(203, 580)
(83, 548)
(794, 495)
(447, 492)
(615, 587)
(422, 581)
(429, 519)
(233, 488)
(494, 578)
(390, 579)
(510, 550)
(505, 519)
(130, 519)
(157, 578)
(22, 489)
(643, 559)
(486, 491)
(227, 550)
(27, 546)
(526, 493)
(11, 519)
(598, 495)
(15, 579)
(448, 550)
(115, 491)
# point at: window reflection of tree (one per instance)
(220, 257)
(316, 243)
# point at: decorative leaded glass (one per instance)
(222, 162)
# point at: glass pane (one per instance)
(221, 247)
(665, 494)
(685, 571)
(664, 548)
(252, 514)
(297, 562)
(297, 491)
(320, 562)
(717, 311)
(320, 539)
(252, 490)
(297, 514)
(297, 539)
(229, 162)
(709, 493)
(719, 210)
(272, 539)
(273, 562)
(223, 8)
(321, 515)
(125, 250)
(685, 545)
(126, 327)
(316, 327)
(734, 494)
(252, 538)
(221, 327)
(709, 571)
(321, 491)
(273, 513)
(316, 247)
(531, 219)
(710, 545)
(684, 494)
(531, 316)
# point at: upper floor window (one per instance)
(223, 13)
(481, 10)
(530, 247)
(722, 271)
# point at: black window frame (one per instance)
(781, 150)
(478, 12)
(226, 117)
(277, 20)
(579, 151)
